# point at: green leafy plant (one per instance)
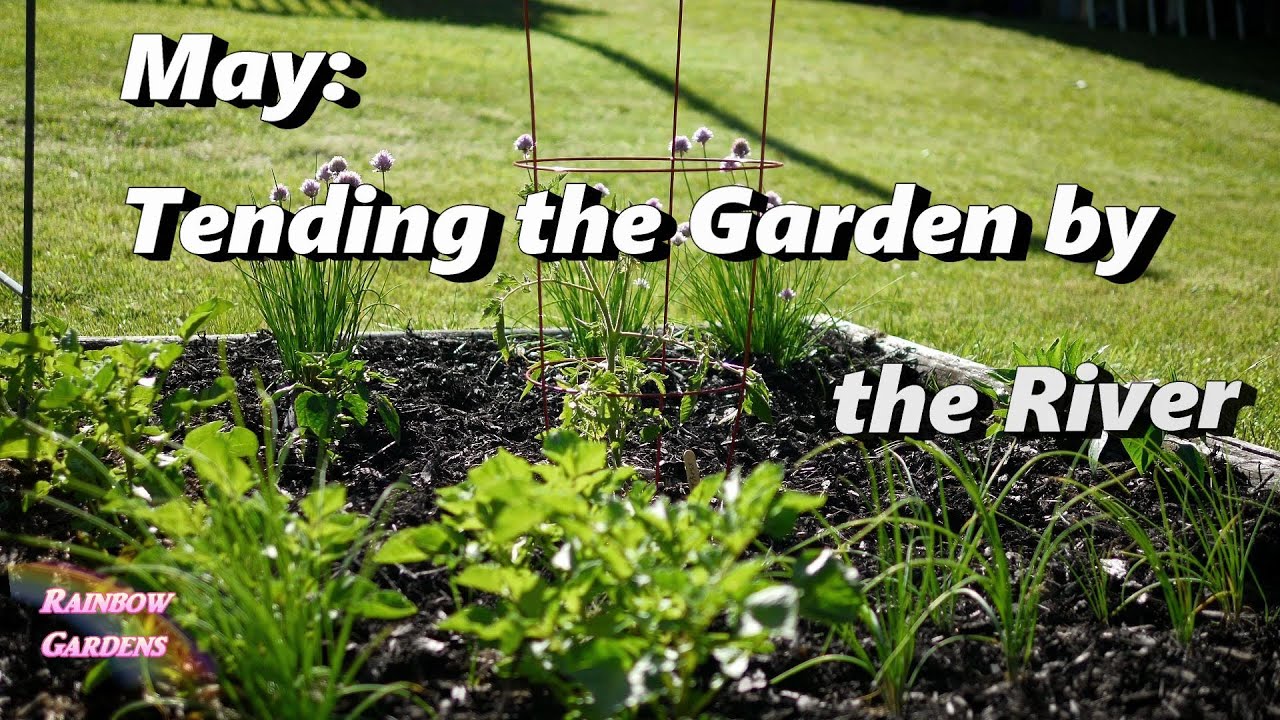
(100, 399)
(1066, 356)
(271, 592)
(616, 602)
(339, 395)
(602, 364)
(1199, 555)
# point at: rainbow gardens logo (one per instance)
(130, 631)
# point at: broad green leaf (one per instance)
(390, 417)
(486, 624)
(415, 544)
(27, 343)
(602, 666)
(575, 455)
(786, 508)
(176, 519)
(324, 501)
(830, 591)
(358, 408)
(384, 605)
(316, 413)
(706, 489)
(495, 579)
(17, 443)
(773, 611)
(202, 314)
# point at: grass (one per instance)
(863, 97)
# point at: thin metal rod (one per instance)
(12, 284)
(671, 207)
(29, 164)
(533, 133)
(751, 302)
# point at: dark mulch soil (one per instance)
(459, 403)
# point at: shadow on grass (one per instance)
(504, 13)
(1249, 67)
(707, 104)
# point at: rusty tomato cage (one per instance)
(540, 372)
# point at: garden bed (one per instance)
(459, 403)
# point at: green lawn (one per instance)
(863, 97)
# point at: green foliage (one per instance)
(1011, 590)
(338, 395)
(99, 399)
(615, 601)
(599, 407)
(1199, 556)
(1066, 356)
(312, 307)
(783, 325)
(879, 620)
(630, 293)
(270, 590)
(608, 311)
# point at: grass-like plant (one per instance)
(916, 576)
(316, 307)
(788, 297)
(1198, 556)
(312, 307)
(1091, 573)
(271, 592)
(606, 308)
(1010, 592)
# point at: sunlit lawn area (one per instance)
(863, 97)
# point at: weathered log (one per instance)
(1261, 465)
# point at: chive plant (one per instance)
(915, 576)
(1011, 592)
(1198, 542)
(312, 307)
(787, 299)
(605, 308)
(315, 307)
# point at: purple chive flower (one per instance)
(740, 148)
(729, 164)
(684, 229)
(787, 294)
(773, 198)
(383, 161)
(654, 202)
(325, 173)
(678, 239)
(602, 189)
(350, 177)
(310, 188)
(524, 143)
(337, 164)
(679, 146)
(702, 136)
(279, 193)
